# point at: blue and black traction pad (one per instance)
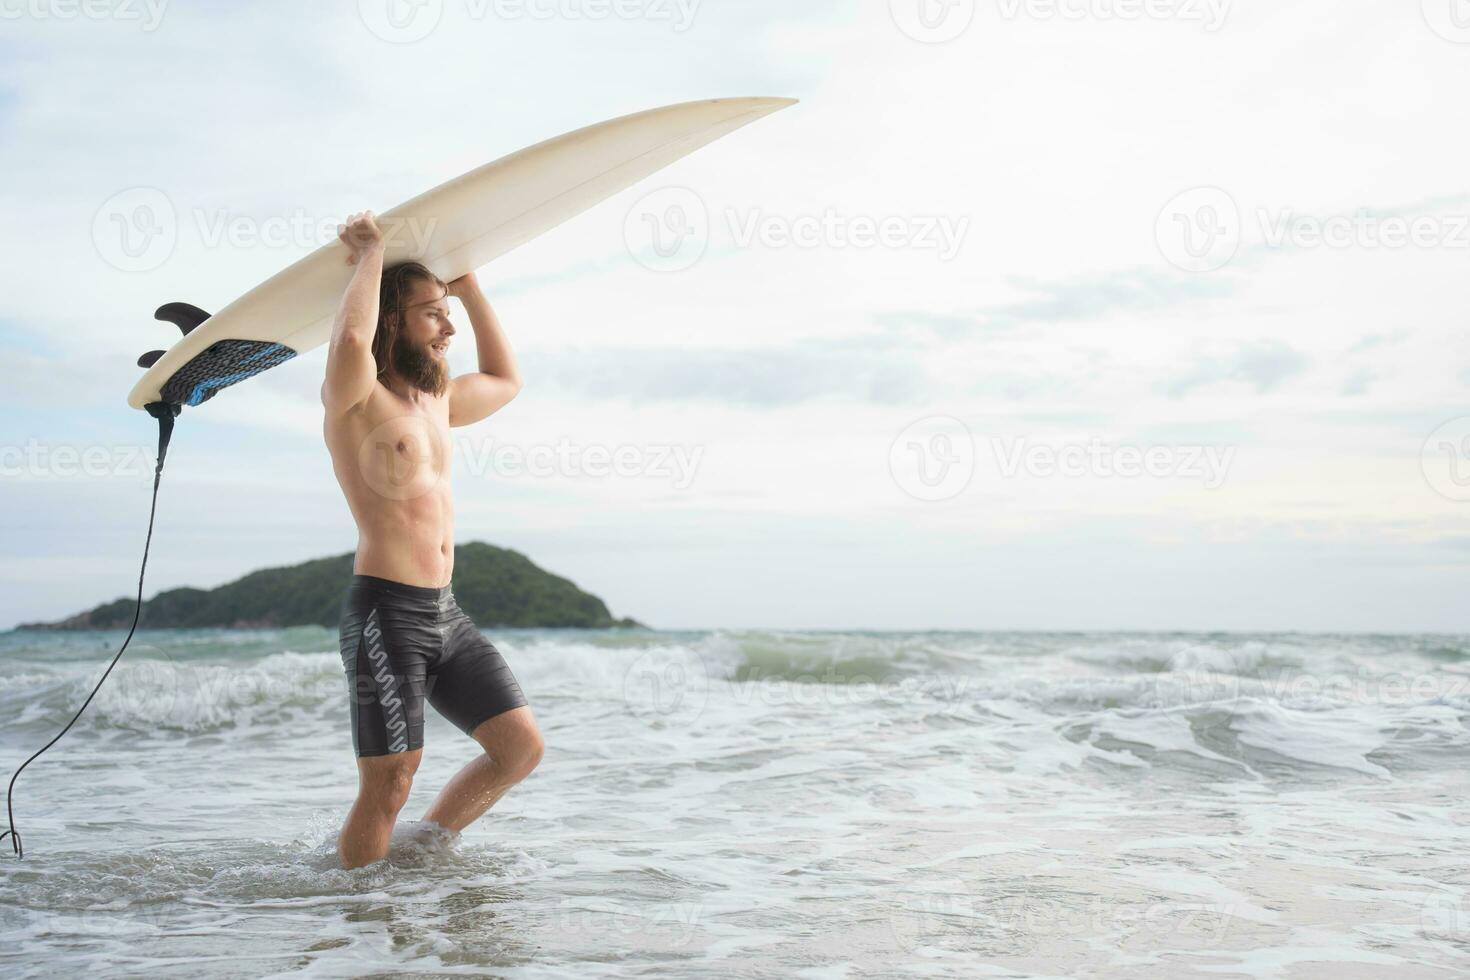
(221, 364)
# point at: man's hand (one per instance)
(361, 235)
(465, 285)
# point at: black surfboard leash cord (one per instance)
(165, 412)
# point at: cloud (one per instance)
(764, 378)
(1357, 384)
(1091, 299)
(1127, 291)
(1264, 365)
(1374, 340)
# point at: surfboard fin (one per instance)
(182, 315)
(185, 316)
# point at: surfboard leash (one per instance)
(165, 412)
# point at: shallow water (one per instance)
(760, 804)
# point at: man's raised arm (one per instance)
(472, 397)
(351, 370)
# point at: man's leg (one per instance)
(383, 784)
(385, 648)
(513, 748)
(474, 688)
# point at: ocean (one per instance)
(759, 804)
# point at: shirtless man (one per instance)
(389, 405)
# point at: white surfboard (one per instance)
(453, 229)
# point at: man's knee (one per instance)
(387, 780)
(532, 749)
(514, 741)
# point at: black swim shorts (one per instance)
(403, 644)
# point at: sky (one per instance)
(1073, 315)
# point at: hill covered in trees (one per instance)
(494, 586)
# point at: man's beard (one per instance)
(418, 369)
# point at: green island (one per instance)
(496, 587)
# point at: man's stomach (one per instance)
(413, 550)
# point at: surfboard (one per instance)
(453, 229)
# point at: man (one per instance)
(389, 406)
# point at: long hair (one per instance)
(397, 286)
